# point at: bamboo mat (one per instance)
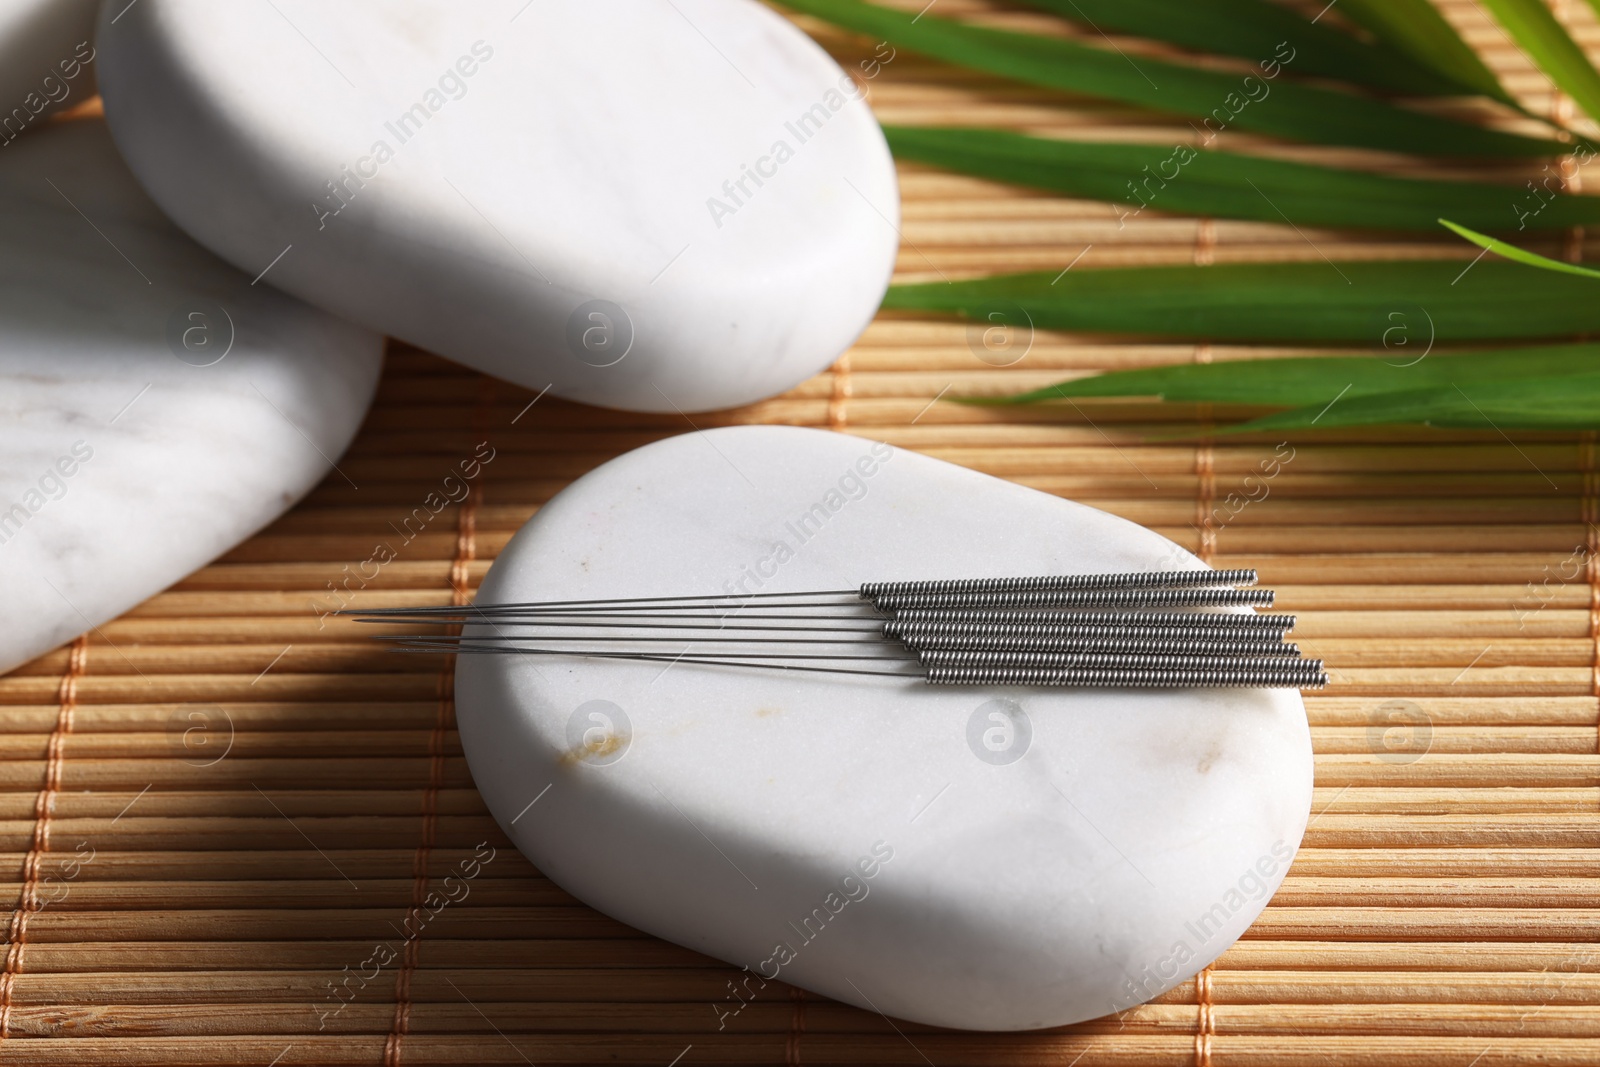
(215, 810)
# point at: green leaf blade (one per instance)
(1217, 100)
(1296, 302)
(1405, 365)
(1519, 255)
(1562, 403)
(1253, 29)
(1552, 48)
(1230, 185)
(1416, 28)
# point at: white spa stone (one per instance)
(548, 192)
(125, 460)
(46, 60)
(1016, 882)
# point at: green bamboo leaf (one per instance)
(1404, 364)
(1520, 255)
(1219, 100)
(1548, 43)
(1416, 28)
(1314, 301)
(1253, 29)
(1228, 185)
(1564, 403)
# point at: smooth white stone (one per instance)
(575, 164)
(46, 60)
(727, 803)
(183, 461)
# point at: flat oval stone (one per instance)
(643, 204)
(155, 408)
(46, 60)
(978, 857)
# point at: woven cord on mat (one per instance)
(28, 899)
(1572, 181)
(797, 1026)
(1205, 254)
(1204, 1025)
(1444, 909)
(466, 550)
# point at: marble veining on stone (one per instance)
(155, 407)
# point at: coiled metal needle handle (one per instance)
(1192, 579)
(971, 657)
(1068, 642)
(1184, 620)
(1131, 678)
(1133, 599)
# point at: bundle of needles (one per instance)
(1142, 630)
